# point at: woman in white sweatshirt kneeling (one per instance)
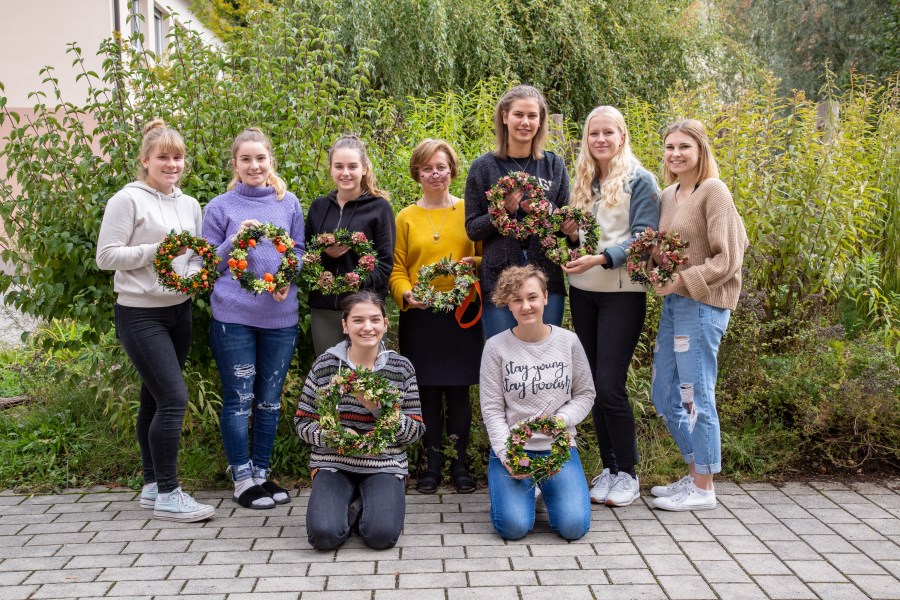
(530, 371)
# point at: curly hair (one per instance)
(511, 281)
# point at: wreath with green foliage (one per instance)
(325, 281)
(538, 467)
(250, 238)
(535, 222)
(464, 275)
(366, 384)
(556, 248)
(169, 248)
(672, 249)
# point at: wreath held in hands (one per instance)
(638, 259)
(535, 222)
(167, 251)
(555, 247)
(325, 281)
(465, 278)
(249, 238)
(539, 467)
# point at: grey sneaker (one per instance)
(691, 498)
(148, 497)
(539, 504)
(664, 491)
(179, 506)
(601, 486)
(624, 491)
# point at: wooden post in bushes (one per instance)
(828, 113)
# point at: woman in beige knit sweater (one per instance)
(697, 305)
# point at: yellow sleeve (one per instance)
(400, 281)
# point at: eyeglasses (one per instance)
(436, 173)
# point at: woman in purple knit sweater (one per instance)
(252, 335)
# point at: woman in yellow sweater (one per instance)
(446, 356)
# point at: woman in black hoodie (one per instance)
(355, 205)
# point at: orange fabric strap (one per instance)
(461, 309)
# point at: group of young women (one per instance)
(528, 367)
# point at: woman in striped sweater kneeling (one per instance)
(359, 441)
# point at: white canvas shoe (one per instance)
(625, 490)
(600, 486)
(664, 491)
(692, 498)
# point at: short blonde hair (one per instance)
(511, 281)
(706, 164)
(158, 136)
(501, 131)
(425, 150)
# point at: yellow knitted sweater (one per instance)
(708, 220)
(415, 246)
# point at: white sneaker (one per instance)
(692, 498)
(601, 486)
(625, 490)
(664, 491)
(539, 504)
(179, 506)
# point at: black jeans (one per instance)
(157, 342)
(457, 419)
(380, 518)
(609, 324)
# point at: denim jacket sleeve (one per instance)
(644, 212)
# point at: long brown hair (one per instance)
(501, 131)
(706, 163)
(369, 184)
(254, 134)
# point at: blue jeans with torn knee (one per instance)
(253, 363)
(685, 370)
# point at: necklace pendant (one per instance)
(436, 238)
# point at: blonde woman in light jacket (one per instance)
(608, 310)
(153, 323)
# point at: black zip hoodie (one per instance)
(370, 214)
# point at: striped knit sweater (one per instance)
(399, 371)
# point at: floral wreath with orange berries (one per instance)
(250, 238)
(315, 273)
(535, 222)
(167, 251)
(539, 467)
(371, 386)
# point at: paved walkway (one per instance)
(819, 540)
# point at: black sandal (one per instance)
(463, 481)
(273, 488)
(250, 495)
(428, 482)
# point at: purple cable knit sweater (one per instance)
(221, 219)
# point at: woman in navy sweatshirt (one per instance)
(356, 204)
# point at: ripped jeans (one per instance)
(252, 363)
(684, 378)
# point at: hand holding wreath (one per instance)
(374, 392)
(464, 279)
(665, 249)
(338, 243)
(541, 467)
(249, 236)
(556, 249)
(176, 244)
(521, 185)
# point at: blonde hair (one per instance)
(706, 163)
(369, 184)
(501, 131)
(622, 167)
(158, 135)
(511, 281)
(254, 134)
(425, 150)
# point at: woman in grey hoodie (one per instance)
(153, 323)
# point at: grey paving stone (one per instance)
(819, 571)
(690, 533)
(342, 595)
(562, 592)
(484, 593)
(742, 544)
(26, 519)
(152, 547)
(722, 571)
(425, 552)
(726, 527)
(182, 533)
(347, 568)
(630, 576)
(233, 558)
(152, 560)
(732, 502)
(584, 576)
(223, 586)
(838, 591)
(84, 516)
(442, 580)
(833, 515)
(878, 587)
(272, 569)
(28, 551)
(628, 592)
(739, 591)
(762, 564)
(772, 531)
(124, 535)
(807, 527)
(615, 549)
(217, 545)
(704, 551)
(37, 528)
(789, 511)
(17, 592)
(71, 590)
(670, 564)
(655, 544)
(686, 587)
(793, 550)
(64, 576)
(205, 571)
(780, 587)
(867, 510)
(83, 507)
(497, 578)
(884, 526)
(419, 594)
(537, 563)
(40, 563)
(831, 543)
(753, 515)
(854, 564)
(8, 578)
(879, 549)
(6, 530)
(101, 560)
(856, 531)
(26, 509)
(624, 561)
(296, 584)
(635, 527)
(407, 540)
(146, 588)
(454, 565)
(563, 550)
(362, 582)
(811, 502)
(362, 553)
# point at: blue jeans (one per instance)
(566, 495)
(252, 363)
(684, 378)
(498, 318)
(383, 508)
